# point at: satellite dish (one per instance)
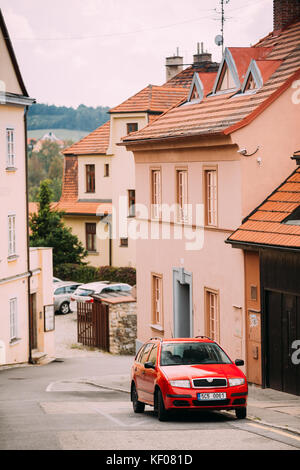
(219, 40)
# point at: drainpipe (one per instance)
(30, 326)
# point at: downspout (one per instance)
(30, 326)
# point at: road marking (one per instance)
(277, 431)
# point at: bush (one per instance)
(85, 273)
(124, 274)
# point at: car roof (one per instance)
(95, 285)
(200, 339)
(65, 283)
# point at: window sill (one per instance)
(93, 252)
(10, 169)
(15, 341)
(12, 258)
(157, 328)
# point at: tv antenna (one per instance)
(219, 40)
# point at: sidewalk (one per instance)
(265, 406)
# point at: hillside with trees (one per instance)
(84, 118)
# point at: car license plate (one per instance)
(212, 396)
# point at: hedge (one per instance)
(85, 273)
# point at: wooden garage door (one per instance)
(282, 330)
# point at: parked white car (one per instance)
(84, 292)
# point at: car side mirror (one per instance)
(239, 362)
(149, 365)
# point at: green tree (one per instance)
(47, 229)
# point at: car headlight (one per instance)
(235, 382)
(180, 383)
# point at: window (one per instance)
(60, 291)
(153, 355)
(13, 319)
(123, 242)
(106, 170)
(212, 314)
(90, 236)
(11, 235)
(157, 314)
(181, 182)
(132, 127)
(146, 350)
(10, 141)
(155, 193)
(211, 197)
(90, 178)
(131, 202)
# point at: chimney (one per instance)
(285, 13)
(202, 56)
(174, 65)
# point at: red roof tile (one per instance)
(265, 225)
(220, 113)
(94, 143)
(83, 208)
(152, 98)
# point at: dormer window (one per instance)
(227, 79)
(196, 93)
(253, 78)
(293, 218)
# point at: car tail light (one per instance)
(72, 300)
(90, 301)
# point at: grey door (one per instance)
(182, 303)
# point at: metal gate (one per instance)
(93, 324)
(282, 328)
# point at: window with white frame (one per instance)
(10, 142)
(157, 308)
(212, 314)
(182, 199)
(13, 313)
(11, 235)
(155, 193)
(211, 197)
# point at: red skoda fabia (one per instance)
(190, 373)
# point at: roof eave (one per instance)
(258, 246)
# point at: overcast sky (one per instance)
(101, 52)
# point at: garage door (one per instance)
(282, 331)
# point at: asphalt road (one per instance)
(52, 407)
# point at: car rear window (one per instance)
(84, 292)
(192, 353)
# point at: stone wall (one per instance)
(122, 328)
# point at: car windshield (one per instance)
(84, 292)
(192, 353)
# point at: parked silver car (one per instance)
(62, 292)
(85, 291)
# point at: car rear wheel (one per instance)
(162, 413)
(138, 406)
(64, 308)
(241, 413)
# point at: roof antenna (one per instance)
(219, 40)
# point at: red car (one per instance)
(190, 373)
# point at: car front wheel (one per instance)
(64, 308)
(241, 413)
(138, 406)
(162, 413)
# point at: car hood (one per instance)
(199, 371)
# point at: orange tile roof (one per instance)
(84, 208)
(152, 99)
(184, 79)
(222, 114)
(94, 143)
(264, 226)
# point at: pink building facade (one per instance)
(218, 155)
